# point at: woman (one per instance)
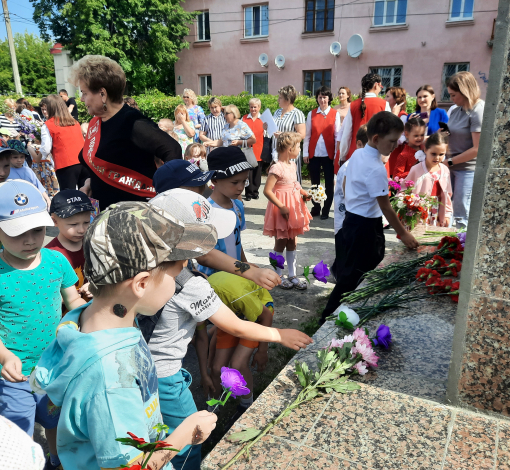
(322, 135)
(257, 126)
(7, 120)
(196, 113)
(183, 127)
(396, 98)
(465, 126)
(359, 113)
(426, 109)
(235, 133)
(121, 142)
(26, 109)
(345, 98)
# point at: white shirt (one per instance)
(46, 141)
(339, 198)
(347, 129)
(253, 118)
(365, 180)
(320, 148)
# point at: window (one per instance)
(319, 15)
(461, 10)
(315, 79)
(448, 71)
(256, 21)
(255, 83)
(390, 12)
(203, 31)
(205, 85)
(391, 76)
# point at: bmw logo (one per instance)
(21, 199)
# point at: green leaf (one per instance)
(213, 402)
(342, 316)
(244, 436)
(306, 273)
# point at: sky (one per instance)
(21, 12)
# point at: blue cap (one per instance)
(23, 208)
(177, 173)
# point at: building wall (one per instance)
(63, 62)
(422, 46)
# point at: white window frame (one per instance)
(461, 17)
(444, 88)
(392, 76)
(385, 23)
(202, 15)
(200, 85)
(244, 21)
(249, 76)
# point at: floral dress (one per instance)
(183, 138)
(197, 116)
(241, 131)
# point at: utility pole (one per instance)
(15, 71)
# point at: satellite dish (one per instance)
(279, 62)
(335, 48)
(263, 60)
(355, 46)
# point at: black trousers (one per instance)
(315, 167)
(254, 178)
(361, 248)
(71, 177)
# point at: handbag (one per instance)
(266, 150)
(249, 154)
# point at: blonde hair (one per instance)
(465, 84)
(166, 125)
(214, 100)
(256, 101)
(98, 72)
(10, 103)
(232, 108)
(288, 93)
(182, 108)
(287, 140)
(188, 153)
(191, 94)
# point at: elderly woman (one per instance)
(465, 126)
(121, 143)
(236, 132)
(7, 120)
(426, 109)
(183, 127)
(257, 126)
(196, 113)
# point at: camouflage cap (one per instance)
(131, 237)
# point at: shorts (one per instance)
(23, 407)
(225, 340)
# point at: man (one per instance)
(72, 107)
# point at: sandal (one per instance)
(301, 285)
(286, 284)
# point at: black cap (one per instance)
(177, 173)
(69, 202)
(227, 162)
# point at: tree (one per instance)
(35, 64)
(143, 36)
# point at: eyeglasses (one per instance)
(186, 97)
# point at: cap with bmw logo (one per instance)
(23, 208)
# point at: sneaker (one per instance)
(49, 466)
(240, 411)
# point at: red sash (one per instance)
(115, 175)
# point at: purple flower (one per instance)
(409, 183)
(233, 381)
(277, 261)
(382, 337)
(462, 238)
(395, 186)
(321, 272)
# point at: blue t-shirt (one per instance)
(436, 116)
(230, 245)
(26, 173)
(31, 306)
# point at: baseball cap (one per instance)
(7, 151)
(5, 131)
(227, 162)
(131, 237)
(191, 208)
(22, 209)
(177, 173)
(69, 202)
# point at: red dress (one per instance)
(405, 161)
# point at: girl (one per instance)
(432, 178)
(414, 130)
(196, 153)
(183, 127)
(286, 215)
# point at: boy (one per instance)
(5, 164)
(70, 211)
(366, 200)
(99, 368)
(213, 123)
(32, 281)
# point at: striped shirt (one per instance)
(6, 124)
(213, 126)
(287, 122)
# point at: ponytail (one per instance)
(367, 83)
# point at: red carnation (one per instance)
(447, 285)
(458, 255)
(455, 264)
(433, 273)
(455, 298)
(136, 438)
(456, 285)
(422, 274)
(451, 272)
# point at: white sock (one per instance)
(246, 402)
(291, 262)
(279, 270)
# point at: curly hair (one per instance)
(191, 94)
(398, 93)
(287, 140)
(367, 83)
(288, 93)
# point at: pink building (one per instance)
(234, 45)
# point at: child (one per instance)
(70, 211)
(167, 125)
(5, 164)
(366, 200)
(32, 281)
(286, 215)
(196, 153)
(432, 178)
(415, 129)
(99, 369)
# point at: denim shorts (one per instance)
(23, 407)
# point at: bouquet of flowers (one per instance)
(395, 185)
(411, 208)
(318, 193)
(29, 127)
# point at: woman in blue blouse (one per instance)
(426, 103)
(196, 113)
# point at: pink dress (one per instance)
(287, 190)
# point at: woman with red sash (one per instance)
(322, 134)
(122, 146)
(257, 126)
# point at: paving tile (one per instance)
(383, 430)
(312, 459)
(503, 459)
(472, 444)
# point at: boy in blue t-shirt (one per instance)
(231, 172)
(32, 281)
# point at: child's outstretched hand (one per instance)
(284, 211)
(409, 241)
(197, 427)
(207, 385)
(294, 339)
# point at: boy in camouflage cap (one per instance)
(99, 369)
